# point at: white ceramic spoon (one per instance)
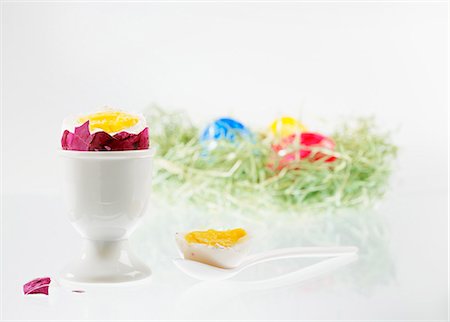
(207, 272)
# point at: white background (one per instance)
(253, 61)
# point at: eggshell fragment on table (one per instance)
(37, 286)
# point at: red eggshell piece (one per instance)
(83, 140)
(37, 286)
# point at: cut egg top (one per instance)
(225, 249)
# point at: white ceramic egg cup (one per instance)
(106, 194)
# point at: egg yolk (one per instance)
(211, 237)
(109, 121)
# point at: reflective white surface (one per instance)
(401, 272)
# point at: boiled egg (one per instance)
(108, 120)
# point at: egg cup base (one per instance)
(105, 262)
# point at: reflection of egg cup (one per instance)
(106, 194)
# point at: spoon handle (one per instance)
(307, 273)
(298, 252)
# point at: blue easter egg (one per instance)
(225, 128)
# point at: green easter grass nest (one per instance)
(243, 175)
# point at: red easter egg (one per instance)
(307, 140)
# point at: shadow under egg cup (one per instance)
(106, 195)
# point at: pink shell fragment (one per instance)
(83, 140)
(37, 286)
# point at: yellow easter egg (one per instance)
(286, 125)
